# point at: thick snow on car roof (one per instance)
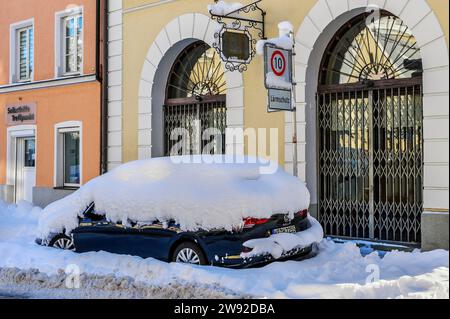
(202, 192)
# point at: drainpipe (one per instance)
(102, 16)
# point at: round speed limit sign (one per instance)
(278, 63)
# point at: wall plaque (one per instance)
(20, 114)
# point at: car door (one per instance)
(144, 241)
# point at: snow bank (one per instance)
(338, 271)
(18, 221)
(196, 195)
(278, 244)
(223, 8)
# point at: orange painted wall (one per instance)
(54, 105)
(43, 12)
(76, 102)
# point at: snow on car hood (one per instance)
(196, 195)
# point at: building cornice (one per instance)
(35, 85)
(146, 6)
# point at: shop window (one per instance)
(22, 52)
(68, 157)
(69, 42)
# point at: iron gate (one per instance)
(371, 162)
(197, 127)
(195, 110)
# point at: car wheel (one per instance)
(62, 242)
(189, 253)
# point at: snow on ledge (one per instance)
(223, 8)
(278, 82)
(284, 40)
(216, 194)
(278, 244)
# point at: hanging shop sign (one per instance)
(235, 40)
(278, 77)
(19, 114)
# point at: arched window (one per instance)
(371, 49)
(195, 106)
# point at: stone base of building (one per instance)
(43, 196)
(7, 193)
(435, 231)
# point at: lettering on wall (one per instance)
(19, 114)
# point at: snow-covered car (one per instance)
(167, 242)
(205, 211)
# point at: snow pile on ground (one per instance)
(32, 283)
(278, 244)
(339, 271)
(196, 195)
(18, 222)
(223, 8)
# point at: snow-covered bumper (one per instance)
(238, 262)
(277, 247)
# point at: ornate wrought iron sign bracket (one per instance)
(235, 40)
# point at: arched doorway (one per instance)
(195, 105)
(370, 131)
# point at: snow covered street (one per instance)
(338, 271)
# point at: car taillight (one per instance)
(252, 222)
(302, 214)
(246, 250)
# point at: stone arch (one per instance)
(176, 35)
(314, 34)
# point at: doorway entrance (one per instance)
(25, 168)
(370, 132)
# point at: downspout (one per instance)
(97, 42)
(102, 17)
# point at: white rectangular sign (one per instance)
(280, 100)
(278, 78)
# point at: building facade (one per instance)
(50, 97)
(372, 103)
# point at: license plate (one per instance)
(284, 230)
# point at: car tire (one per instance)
(62, 241)
(189, 253)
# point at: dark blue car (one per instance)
(168, 243)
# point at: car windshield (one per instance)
(90, 213)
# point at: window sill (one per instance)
(19, 82)
(67, 188)
(69, 75)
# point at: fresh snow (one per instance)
(278, 244)
(283, 41)
(223, 8)
(18, 221)
(338, 271)
(278, 82)
(198, 192)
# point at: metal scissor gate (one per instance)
(370, 131)
(371, 161)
